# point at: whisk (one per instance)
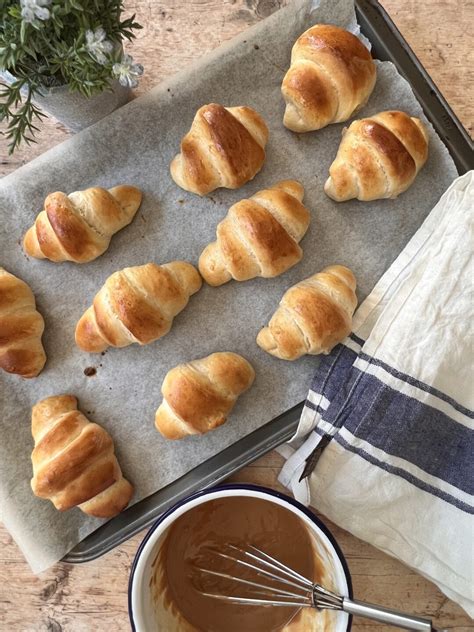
(289, 588)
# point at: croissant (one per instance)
(379, 157)
(313, 316)
(74, 462)
(21, 328)
(137, 305)
(78, 227)
(198, 395)
(331, 76)
(259, 236)
(225, 147)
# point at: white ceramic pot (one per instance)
(73, 109)
(146, 612)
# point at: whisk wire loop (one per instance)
(272, 563)
(266, 589)
(296, 583)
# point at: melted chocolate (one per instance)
(213, 525)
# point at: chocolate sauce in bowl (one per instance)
(211, 526)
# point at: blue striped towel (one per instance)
(396, 400)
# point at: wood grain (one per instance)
(93, 597)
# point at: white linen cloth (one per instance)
(396, 399)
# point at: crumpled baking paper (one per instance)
(135, 145)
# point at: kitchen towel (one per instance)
(395, 401)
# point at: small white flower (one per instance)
(98, 46)
(31, 9)
(127, 72)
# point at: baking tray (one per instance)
(388, 45)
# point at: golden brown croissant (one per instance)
(313, 316)
(379, 157)
(74, 462)
(331, 76)
(198, 395)
(225, 147)
(78, 227)
(21, 328)
(258, 237)
(137, 305)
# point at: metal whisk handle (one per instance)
(384, 615)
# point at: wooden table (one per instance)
(93, 597)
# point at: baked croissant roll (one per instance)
(258, 237)
(74, 462)
(313, 316)
(137, 305)
(78, 227)
(198, 395)
(331, 76)
(21, 328)
(225, 147)
(379, 157)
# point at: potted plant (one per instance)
(64, 57)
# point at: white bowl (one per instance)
(146, 616)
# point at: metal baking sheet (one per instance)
(388, 45)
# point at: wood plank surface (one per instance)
(93, 597)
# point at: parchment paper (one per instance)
(135, 145)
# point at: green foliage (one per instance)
(44, 43)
